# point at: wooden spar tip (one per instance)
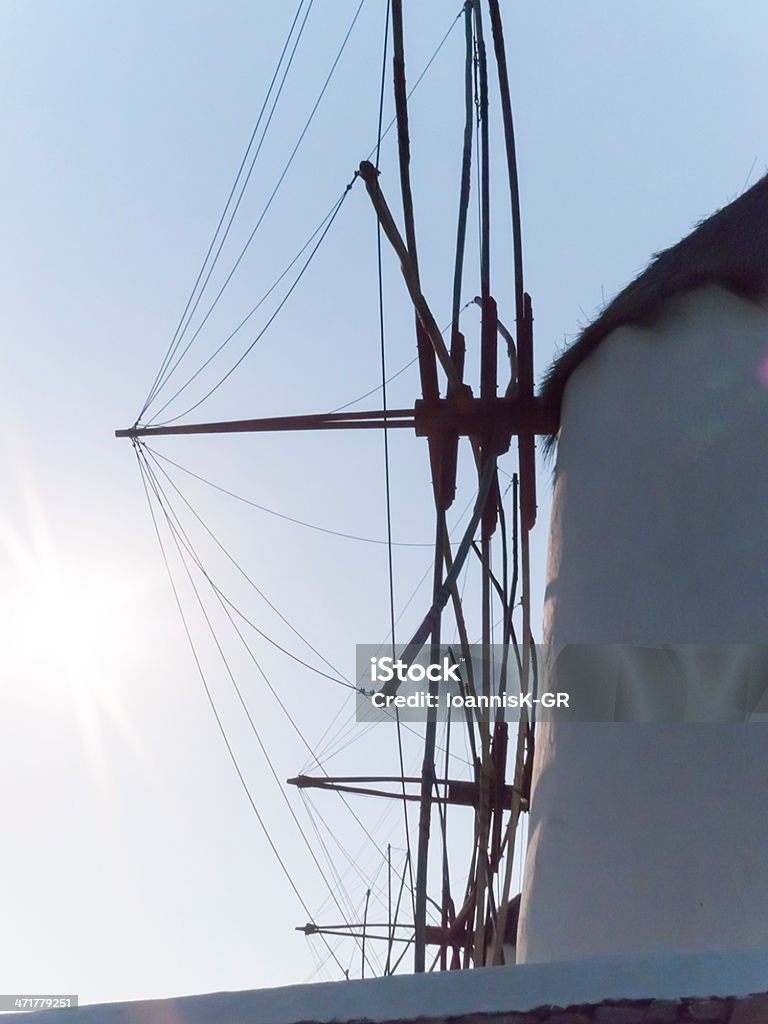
(368, 172)
(319, 421)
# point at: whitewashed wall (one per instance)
(654, 837)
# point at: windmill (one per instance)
(472, 929)
(659, 420)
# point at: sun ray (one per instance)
(62, 628)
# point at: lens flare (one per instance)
(64, 633)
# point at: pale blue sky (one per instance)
(132, 865)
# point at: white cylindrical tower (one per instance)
(654, 836)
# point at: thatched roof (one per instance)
(730, 248)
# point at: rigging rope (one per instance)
(254, 309)
(171, 369)
(220, 724)
(339, 737)
(264, 597)
(239, 568)
(349, 917)
(174, 345)
(178, 532)
(273, 194)
(264, 329)
(179, 535)
(282, 515)
(156, 388)
(223, 601)
(334, 679)
(280, 180)
(402, 369)
(219, 593)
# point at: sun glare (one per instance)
(65, 632)
(64, 624)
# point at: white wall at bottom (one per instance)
(448, 994)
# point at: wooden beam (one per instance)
(474, 417)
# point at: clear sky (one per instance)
(132, 864)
